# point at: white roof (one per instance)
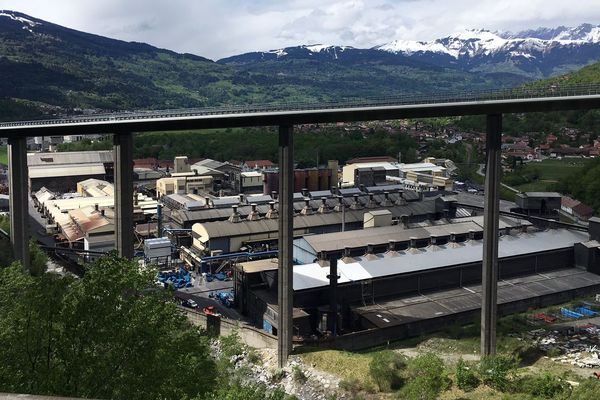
(52, 171)
(250, 174)
(383, 164)
(417, 167)
(310, 276)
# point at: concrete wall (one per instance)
(216, 326)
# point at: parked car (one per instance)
(189, 303)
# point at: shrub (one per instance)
(232, 345)
(298, 375)
(545, 386)
(497, 371)
(466, 379)
(385, 367)
(419, 388)
(277, 376)
(427, 378)
(554, 351)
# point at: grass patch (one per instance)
(542, 176)
(3, 155)
(350, 367)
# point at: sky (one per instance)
(221, 28)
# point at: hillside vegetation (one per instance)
(48, 69)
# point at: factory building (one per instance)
(60, 172)
(424, 176)
(394, 282)
(184, 211)
(183, 183)
(258, 225)
(539, 204)
(226, 175)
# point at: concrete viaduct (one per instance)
(123, 126)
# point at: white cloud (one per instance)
(218, 28)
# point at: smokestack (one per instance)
(413, 242)
(435, 241)
(102, 212)
(272, 213)
(387, 202)
(307, 209)
(207, 201)
(96, 207)
(235, 216)
(241, 199)
(404, 220)
(371, 203)
(453, 241)
(401, 200)
(412, 246)
(356, 204)
(370, 254)
(340, 205)
(392, 250)
(253, 216)
(323, 207)
(332, 318)
(323, 258)
(347, 256)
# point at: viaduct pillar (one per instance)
(19, 199)
(123, 148)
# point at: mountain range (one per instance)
(532, 54)
(49, 69)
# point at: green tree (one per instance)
(110, 334)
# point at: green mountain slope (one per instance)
(49, 69)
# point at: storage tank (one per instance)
(270, 182)
(300, 177)
(324, 179)
(313, 180)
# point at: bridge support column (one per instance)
(285, 289)
(489, 306)
(19, 199)
(123, 148)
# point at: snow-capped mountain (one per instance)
(314, 51)
(537, 53)
(477, 42)
(531, 54)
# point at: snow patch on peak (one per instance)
(279, 52)
(317, 48)
(410, 47)
(27, 23)
(475, 34)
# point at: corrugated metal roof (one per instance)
(382, 235)
(55, 171)
(70, 158)
(425, 259)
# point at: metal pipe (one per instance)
(285, 290)
(489, 306)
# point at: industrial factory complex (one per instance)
(380, 248)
